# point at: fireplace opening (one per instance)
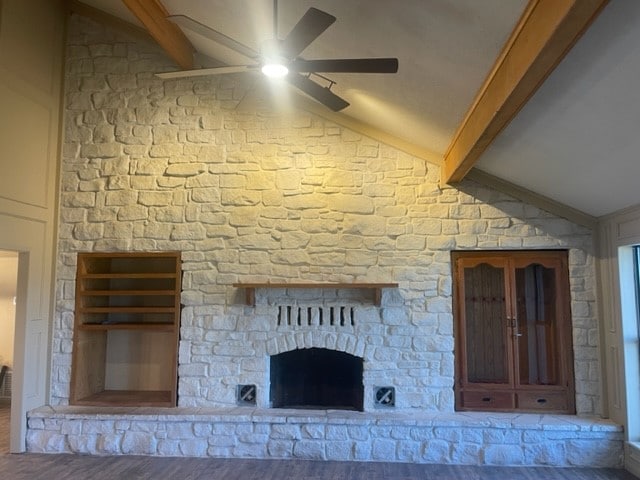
(316, 378)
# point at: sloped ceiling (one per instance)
(574, 142)
(578, 139)
(445, 51)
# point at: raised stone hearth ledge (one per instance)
(244, 432)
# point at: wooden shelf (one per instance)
(250, 288)
(121, 398)
(126, 310)
(152, 327)
(128, 275)
(127, 293)
(127, 321)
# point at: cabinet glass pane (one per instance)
(537, 325)
(485, 315)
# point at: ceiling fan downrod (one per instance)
(275, 19)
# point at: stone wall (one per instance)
(266, 195)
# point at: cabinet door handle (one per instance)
(486, 399)
(542, 400)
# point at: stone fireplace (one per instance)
(271, 196)
(318, 347)
(277, 197)
(316, 378)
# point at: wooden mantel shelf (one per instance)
(250, 288)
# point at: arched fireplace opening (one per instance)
(316, 378)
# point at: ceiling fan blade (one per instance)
(346, 65)
(200, 72)
(210, 33)
(320, 93)
(308, 28)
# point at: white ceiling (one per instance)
(578, 139)
(574, 142)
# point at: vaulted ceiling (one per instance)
(466, 69)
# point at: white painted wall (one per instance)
(31, 59)
(8, 279)
(7, 330)
(618, 234)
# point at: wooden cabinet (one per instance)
(126, 331)
(513, 331)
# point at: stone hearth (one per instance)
(460, 438)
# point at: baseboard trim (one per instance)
(632, 458)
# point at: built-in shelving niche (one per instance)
(127, 320)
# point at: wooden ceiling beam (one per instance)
(169, 36)
(545, 33)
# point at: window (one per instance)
(626, 367)
(636, 274)
(513, 331)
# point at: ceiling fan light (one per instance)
(275, 70)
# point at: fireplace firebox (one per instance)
(316, 378)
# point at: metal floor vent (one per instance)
(384, 397)
(334, 315)
(246, 395)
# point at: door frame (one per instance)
(32, 338)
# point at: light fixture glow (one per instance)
(275, 70)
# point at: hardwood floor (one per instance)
(68, 467)
(71, 467)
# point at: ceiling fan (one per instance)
(281, 58)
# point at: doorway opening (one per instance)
(8, 292)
